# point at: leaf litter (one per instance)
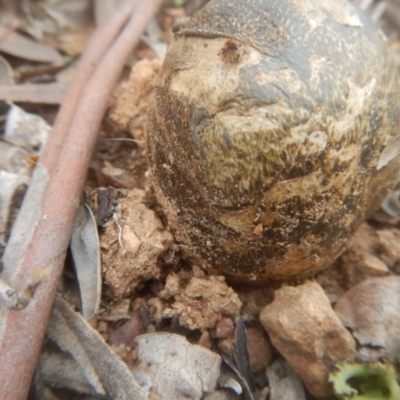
(188, 316)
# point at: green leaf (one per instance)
(178, 3)
(366, 382)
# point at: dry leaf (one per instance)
(152, 38)
(85, 249)
(227, 382)
(26, 130)
(12, 185)
(13, 158)
(6, 72)
(46, 93)
(241, 353)
(248, 395)
(59, 370)
(102, 10)
(17, 45)
(69, 14)
(176, 368)
(101, 366)
(284, 383)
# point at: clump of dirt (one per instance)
(133, 243)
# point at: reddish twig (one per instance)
(43, 229)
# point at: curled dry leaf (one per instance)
(103, 369)
(226, 381)
(247, 392)
(284, 383)
(241, 354)
(176, 368)
(371, 310)
(85, 249)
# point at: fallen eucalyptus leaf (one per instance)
(12, 186)
(176, 368)
(241, 354)
(17, 45)
(13, 159)
(25, 129)
(59, 370)
(284, 383)
(85, 249)
(103, 369)
(6, 72)
(69, 14)
(40, 93)
(248, 395)
(371, 310)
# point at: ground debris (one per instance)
(174, 368)
(372, 254)
(132, 243)
(284, 382)
(371, 310)
(308, 334)
(201, 302)
(129, 105)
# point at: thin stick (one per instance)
(54, 212)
